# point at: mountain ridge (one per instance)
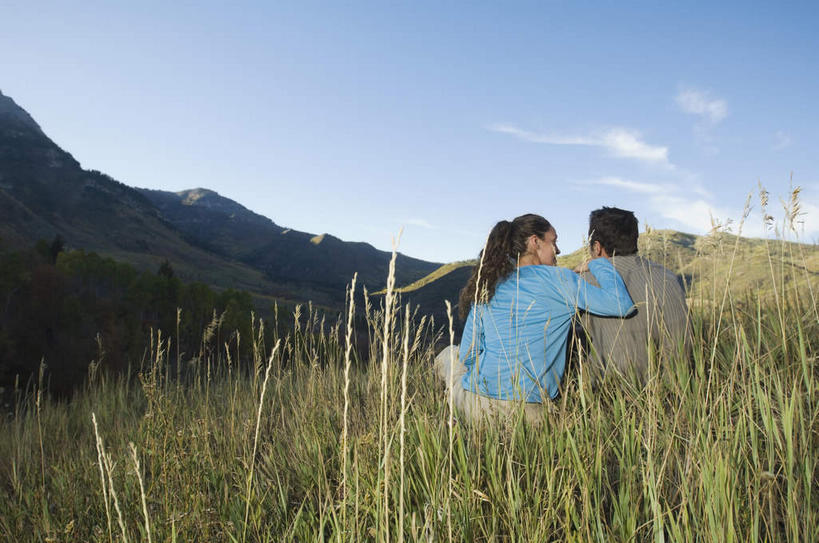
(322, 263)
(44, 192)
(8, 107)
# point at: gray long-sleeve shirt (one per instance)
(623, 345)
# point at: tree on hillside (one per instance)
(165, 269)
(57, 246)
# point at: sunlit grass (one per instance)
(313, 442)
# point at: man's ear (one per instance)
(597, 250)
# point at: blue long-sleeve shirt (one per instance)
(514, 347)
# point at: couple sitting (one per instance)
(520, 307)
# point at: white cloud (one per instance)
(782, 140)
(695, 187)
(525, 135)
(634, 186)
(694, 213)
(665, 200)
(619, 142)
(702, 104)
(808, 222)
(420, 222)
(627, 144)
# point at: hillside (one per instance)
(310, 267)
(44, 192)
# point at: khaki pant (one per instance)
(476, 407)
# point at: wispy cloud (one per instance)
(666, 201)
(694, 212)
(782, 140)
(808, 221)
(697, 214)
(619, 142)
(633, 186)
(702, 104)
(420, 222)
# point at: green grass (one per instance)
(724, 447)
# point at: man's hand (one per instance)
(583, 267)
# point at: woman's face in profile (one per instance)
(546, 250)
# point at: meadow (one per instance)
(316, 439)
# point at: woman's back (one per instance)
(514, 347)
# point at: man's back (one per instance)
(622, 345)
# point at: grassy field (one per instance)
(311, 441)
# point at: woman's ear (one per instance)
(531, 244)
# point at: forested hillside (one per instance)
(74, 311)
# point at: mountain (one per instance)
(44, 192)
(315, 267)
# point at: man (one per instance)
(660, 325)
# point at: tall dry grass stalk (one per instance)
(178, 353)
(109, 469)
(746, 211)
(348, 342)
(768, 223)
(450, 417)
(38, 409)
(42, 449)
(101, 463)
(256, 439)
(106, 471)
(402, 422)
(793, 215)
(138, 472)
(384, 414)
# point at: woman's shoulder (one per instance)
(546, 273)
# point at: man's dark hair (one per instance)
(615, 229)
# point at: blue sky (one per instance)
(356, 119)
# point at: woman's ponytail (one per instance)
(499, 258)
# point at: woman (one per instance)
(518, 306)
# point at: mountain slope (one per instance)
(317, 267)
(45, 192)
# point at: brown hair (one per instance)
(506, 243)
(615, 229)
